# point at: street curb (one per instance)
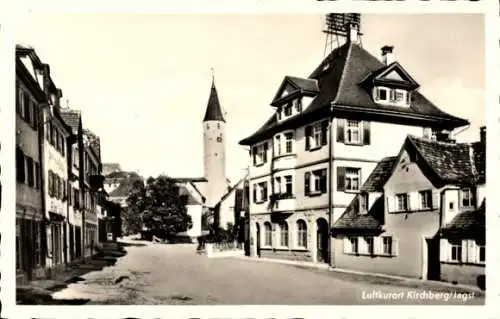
(360, 273)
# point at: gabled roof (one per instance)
(308, 86)
(72, 118)
(468, 223)
(340, 77)
(379, 175)
(231, 190)
(451, 163)
(381, 76)
(214, 111)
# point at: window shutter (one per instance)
(362, 245)
(265, 191)
(443, 250)
(341, 178)
(395, 247)
(377, 94)
(465, 248)
(254, 155)
(308, 137)
(340, 130)
(471, 251)
(435, 203)
(413, 201)
(324, 132)
(366, 132)
(265, 152)
(473, 196)
(378, 245)
(307, 182)
(347, 245)
(323, 180)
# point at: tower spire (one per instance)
(214, 110)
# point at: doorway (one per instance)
(322, 240)
(433, 263)
(257, 240)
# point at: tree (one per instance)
(162, 210)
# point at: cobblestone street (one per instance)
(158, 274)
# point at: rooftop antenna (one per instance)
(338, 27)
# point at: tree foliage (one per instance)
(159, 206)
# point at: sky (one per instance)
(142, 82)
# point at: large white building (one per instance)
(327, 133)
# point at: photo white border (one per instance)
(7, 138)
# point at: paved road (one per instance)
(158, 274)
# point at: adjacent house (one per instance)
(30, 99)
(419, 214)
(73, 119)
(328, 132)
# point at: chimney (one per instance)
(57, 98)
(352, 32)
(387, 55)
(482, 135)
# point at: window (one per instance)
(381, 94)
(316, 135)
(425, 199)
(283, 227)
(467, 197)
(298, 105)
(370, 247)
(481, 253)
(277, 185)
(315, 182)
(37, 242)
(26, 106)
(289, 142)
(402, 202)
(288, 109)
(352, 179)
(288, 186)
(260, 154)
(260, 192)
(301, 233)
(399, 96)
(408, 98)
(20, 166)
(31, 172)
(456, 250)
(277, 146)
(268, 235)
(363, 203)
(387, 246)
(354, 245)
(278, 114)
(37, 175)
(353, 132)
(452, 206)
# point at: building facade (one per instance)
(328, 132)
(420, 214)
(30, 98)
(49, 168)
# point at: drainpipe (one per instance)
(272, 198)
(330, 188)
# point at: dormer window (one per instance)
(397, 97)
(298, 105)
(288, 109)
(363, 203)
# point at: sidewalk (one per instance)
(374, 277)
(40, 291)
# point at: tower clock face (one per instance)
(219, 139)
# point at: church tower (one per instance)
(214, 149)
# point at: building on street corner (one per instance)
(327, 134)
